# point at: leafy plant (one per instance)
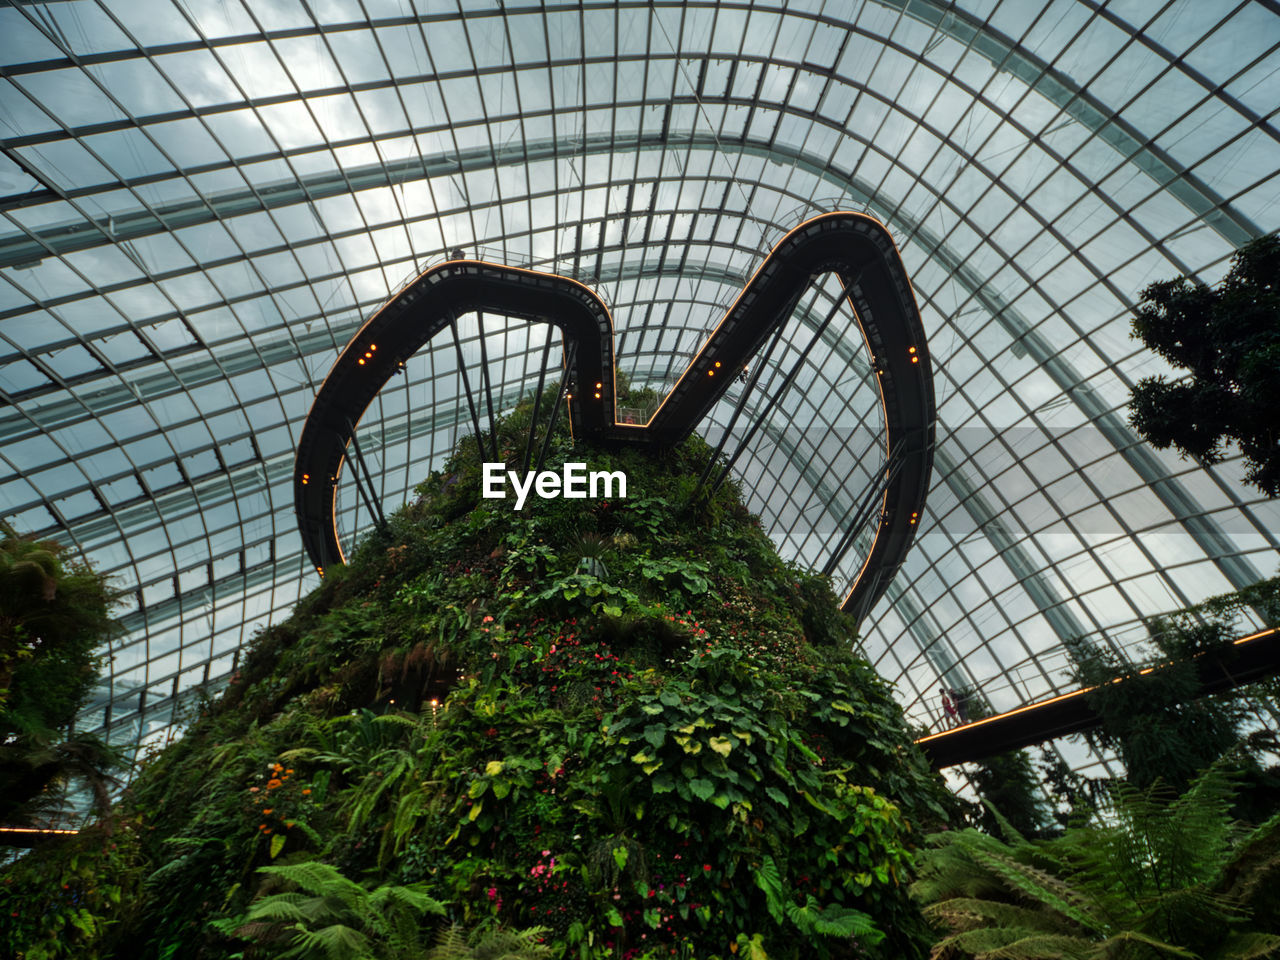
(1228, 341)
(454, 943)
(1156, 876)
(1158, 722)
(326, 916)
(53, 616)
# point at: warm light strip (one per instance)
(1067, 696)
(37, 831)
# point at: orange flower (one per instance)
(266, 811)
(306, 791)
(273, 783)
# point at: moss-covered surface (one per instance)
(625, 721)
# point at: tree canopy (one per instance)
(1228, 340)
(54, 616)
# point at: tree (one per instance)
(1157, 721)
(1228, 339)
(1007, 785)
(1010, 791)
(54, 615)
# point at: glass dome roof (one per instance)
(202, 201)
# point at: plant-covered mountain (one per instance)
(593, 728)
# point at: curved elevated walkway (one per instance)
(856, 247)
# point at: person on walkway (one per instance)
(948, 707)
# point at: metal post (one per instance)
(371, 499)
(488, 389)
(555, 412)
(466, 386)
(537, 398)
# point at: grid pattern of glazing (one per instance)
(202, 199)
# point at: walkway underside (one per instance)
(1247, 659)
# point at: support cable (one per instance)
(740, 406)
(787, 381)
(892, 465)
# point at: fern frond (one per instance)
(262, 931)
(1042, 887)
(1007, 829)
(316, 878)
(413, 897)
(1249, 946)
(1255, 867)
(1044, 947)
(967, 913)
(503, 944)
(399, 719)
(835, 920)
(298, 753)
(1118, 947)
(281, 908)
(451, 944)
(337, 942)
(992, 942)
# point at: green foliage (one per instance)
(454, 943)
(324, 916)
(1154, 877)
(54, 615)
(1156, 721)
(1228, 341)
(1008, 786)
(74, 901)
(603, 719)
